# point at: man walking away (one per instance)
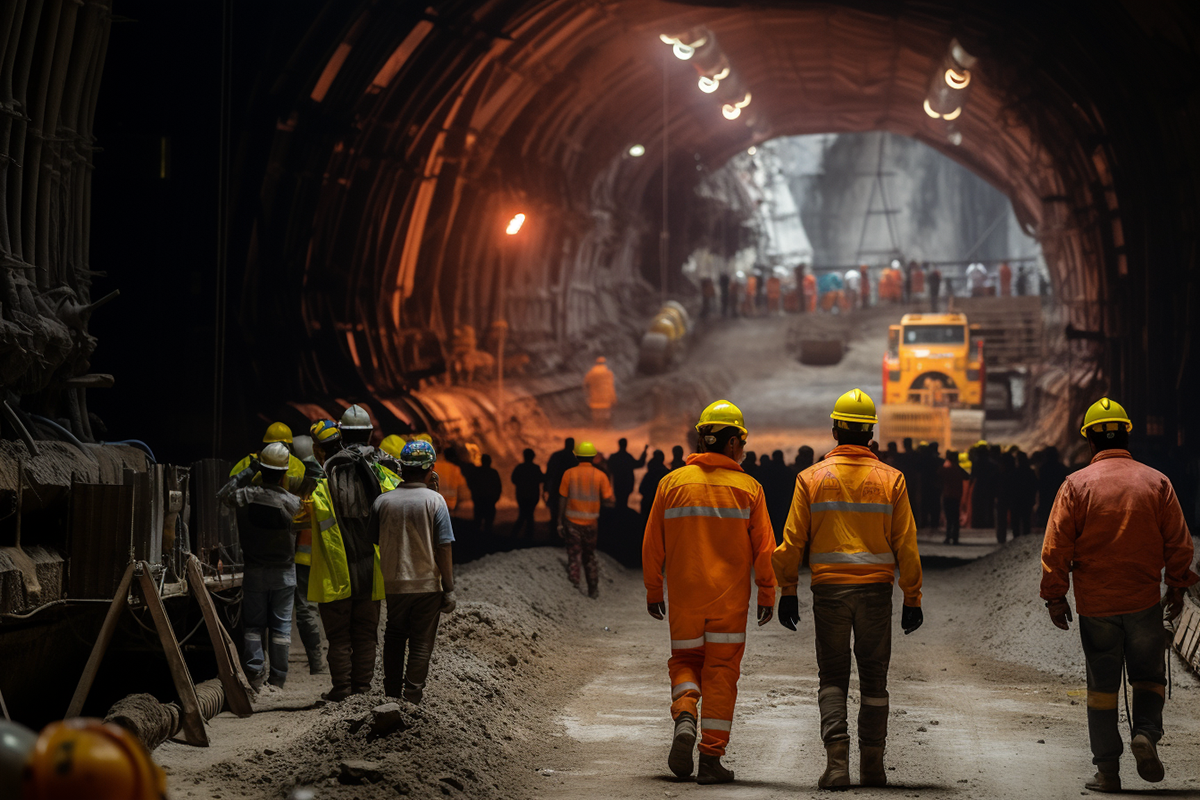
(265, 515)
(1116, 524)
(485, 485)
(851, 519)
(412, 527)
(527, 477)
(601, 392)
(656, 470)
(677, 460)
(585, 488)
(954, 477)
(621, 465)
(560, 461)
(708, 529)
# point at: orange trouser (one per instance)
(706, 661)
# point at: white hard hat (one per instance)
(356, 419)
(274, 456)
(302, 446)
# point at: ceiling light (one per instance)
(731, 112)
(514, 224)
(752, 151)
(956, 79)
(637, 151)
(708, 85)
(682, 51)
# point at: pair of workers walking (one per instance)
(851, 523)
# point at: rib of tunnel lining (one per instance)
(405, 137)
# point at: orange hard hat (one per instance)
(87, 758)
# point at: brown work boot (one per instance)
(1105, 780)
(870, 766)
(1146, 754)
(712, 771)
(680, 759)
(837, 766)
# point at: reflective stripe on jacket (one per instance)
(850, 514)
(707, 529)
(584, 486)
(329, 579)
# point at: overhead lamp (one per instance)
(956, 79)
(708, 85)
(949, 84)
(637, 151)
(752, 150)
(514, 224)
(731, 111)
(682, 51)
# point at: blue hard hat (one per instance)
(419, 454)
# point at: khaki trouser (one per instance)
(866, 611)
(412, 622)
(352, 628)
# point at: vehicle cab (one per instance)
(933, 359)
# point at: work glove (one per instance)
(789, 611)
(911, 619)
(1060, 612)
(656, 610)
(449, 602)
(764, 614)
(1174, 601)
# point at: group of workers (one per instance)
(1116, 525)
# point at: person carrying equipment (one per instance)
(851, 522)
(1117, 524)
(707, 530)
(584, 488)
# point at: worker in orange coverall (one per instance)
(708, 528)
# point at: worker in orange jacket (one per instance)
(708, 528)
(1117, 524)
(585, 489)
(851, 522)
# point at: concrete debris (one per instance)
(387, 719)
(354, 773)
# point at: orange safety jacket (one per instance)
(451, 483)
(584, 486)
(851, 523)
(708, 527)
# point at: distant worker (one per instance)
(853, 287)
(265, 513)
(1006, 276)
(760, 290)
(1024, 492)
(1117, 524)
(804, 460)
(954, 478)
(656, 470)
(601, 392)
(977, 277)
(802, 290)
(1022, 281)
(621, 465)
(851, 521)
(451, 483)
(411, 526)
(346, 580)
(909, 268)
(865, 285)
(560, 461)
(919, 274)
(486, 488)
(1051, 475)
(584, 489)
(527, 478)
(677, 459)
(723, 283)
(749, 308)
(774, 294)
(935, 287)
(735, 296)
(829, 286)
(708, 529)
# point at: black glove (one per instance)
(1060, 612)
(1173, 602)
(911, 619)
(789, 611)
(656, 610)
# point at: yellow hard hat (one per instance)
(392, 445)
(80, 758)
(277, 432)
(854, 406)
(585, 450)
(421, 437)
(721, 414)
(325, 430)
(1105, 415)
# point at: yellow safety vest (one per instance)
(329, 579)
(295, 470)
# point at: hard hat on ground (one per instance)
(854, 406)
(302, 446)
(325, 430)
(1105, 415)
(392, 445)
(418, 454)
(277, 432)
(722, 414)
(356, 419)
(86, 758)
(275, 456)
(585, 450)
(16, 745)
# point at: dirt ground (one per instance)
(537, 691)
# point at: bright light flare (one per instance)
(637, 151)
(514, 224)
(722, 75)
(929, 110)
(752, 151)
(958, 80)
(745, 101)
(682, 51)
(953, 115)
(708, 85)
(731, 112)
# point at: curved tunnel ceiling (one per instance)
(404, 139)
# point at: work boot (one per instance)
(837, 766)
(1146, 754)
(680, 759)
(316, 662)
(712, 771)
(335, 695)
(1106, 779)
(870, 766)
(257, 679)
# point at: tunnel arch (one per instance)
(401, 139)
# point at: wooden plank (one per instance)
(229, 667)
(1182, 626)
(119, 603)
(193, 722)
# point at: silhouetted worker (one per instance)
(778, 482)
(760, 292)
(935, 286)
(620, 469)
(735, 297)
(723, 283)
(750, 464)
(656, 470)
(1024, 490)
(1006, 468)
(908, 280)
(560, 461)
(804, 460)
(931, 486)
(983, 488)
(485, 486)
(1051, 476)
(890, 455)
(707, 293)
(528, 478)
(1022, 281)
(774, 293)
(677, 459)
(907, 462)
(953, 478)
(801, 289)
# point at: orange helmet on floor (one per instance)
(86, 758)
